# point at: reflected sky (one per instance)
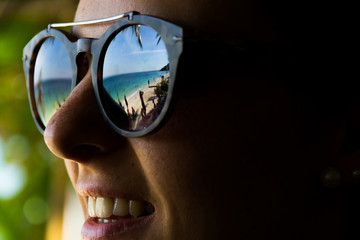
(53, 61)
(125, 55)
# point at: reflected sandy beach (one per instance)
(134, 100)
(143, 111)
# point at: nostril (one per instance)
(84, 151)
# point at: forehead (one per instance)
(226, 16)
(93, 9)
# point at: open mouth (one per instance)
(109, 217)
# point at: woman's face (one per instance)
(215, 169)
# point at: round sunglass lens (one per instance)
(136, 77)
(52, 78)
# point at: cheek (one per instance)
(184, 161)
(163, 163)
(175, 179)
(188, 183)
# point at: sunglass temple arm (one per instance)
(95, 21)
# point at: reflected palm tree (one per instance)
(40, 97)
(136, 30)
(158, 39)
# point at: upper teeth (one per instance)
(104, 207)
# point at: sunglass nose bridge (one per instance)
(84, 45)
(84, 57)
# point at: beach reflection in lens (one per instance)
(136, 75)
(52, 78)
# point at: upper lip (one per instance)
(106, 189)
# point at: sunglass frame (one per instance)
(171, 34)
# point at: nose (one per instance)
(78, 130)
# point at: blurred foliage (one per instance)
(31, 178)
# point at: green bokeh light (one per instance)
(36, 210)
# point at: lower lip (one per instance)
(112, 230)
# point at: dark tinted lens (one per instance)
(52, 78)
(136, 77)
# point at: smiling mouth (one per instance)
(106, 210)
(108, 218)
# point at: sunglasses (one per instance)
(133, 66)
